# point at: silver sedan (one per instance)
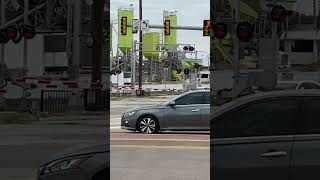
(189, 111)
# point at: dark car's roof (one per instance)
(264, 95)
(282, 93)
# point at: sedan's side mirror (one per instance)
(172, 103)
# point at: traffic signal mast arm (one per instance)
(198, 28)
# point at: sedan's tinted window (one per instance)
(311, 123)
(193, 98)
(273, 117)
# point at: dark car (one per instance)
(274, 135)
(78, 163)
(189, 111)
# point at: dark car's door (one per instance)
(306, 148)
(185, 113)
(204, 122)
(254, 141)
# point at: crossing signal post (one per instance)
(206, 27)
(167, 27)
(124, 27)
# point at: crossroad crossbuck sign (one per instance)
(144, 25)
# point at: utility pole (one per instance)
(3, 21)
(140, 49)
(133, 66)
(236, 51)
(74, 69)
(23, 104)
(97, 31)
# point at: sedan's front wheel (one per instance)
(148, 125)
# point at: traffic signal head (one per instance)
(220, 30)
(124, 21)
(206, 27)
(167, 27)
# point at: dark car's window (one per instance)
(309, 86)
(311, 123)
(267, 118)
(192, 98)
(314, 86)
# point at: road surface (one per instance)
(24, 146)
(159, 163)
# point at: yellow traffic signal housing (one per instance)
(124, 25)
(206, 27)
(167, 27)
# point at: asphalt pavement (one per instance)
(159, 163)
(23, 147)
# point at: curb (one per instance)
(144, 142)
(69, 117)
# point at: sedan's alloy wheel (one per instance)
(147, 125)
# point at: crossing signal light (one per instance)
(186, 71)
(188, 48)
(206, 27)
(197, 66)
(28, 32)
(124, 21)
(167, 27)
(279, 13)
(15, 34)
(220, 30)
(4, 37)
(244, 31)
(178, 71)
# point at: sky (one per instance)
(189, 13)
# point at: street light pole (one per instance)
(140, 48)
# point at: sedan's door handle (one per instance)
(195, 110)
(272, 154)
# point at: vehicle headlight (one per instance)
(62, 165)
(129, 113)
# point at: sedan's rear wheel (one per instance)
(148, 125)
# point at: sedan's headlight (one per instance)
(62, 165)
(129, 113)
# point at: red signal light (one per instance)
(28, 32)
(220, 30)
(244, 31)
(4, 38)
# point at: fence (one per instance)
(59, 101)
